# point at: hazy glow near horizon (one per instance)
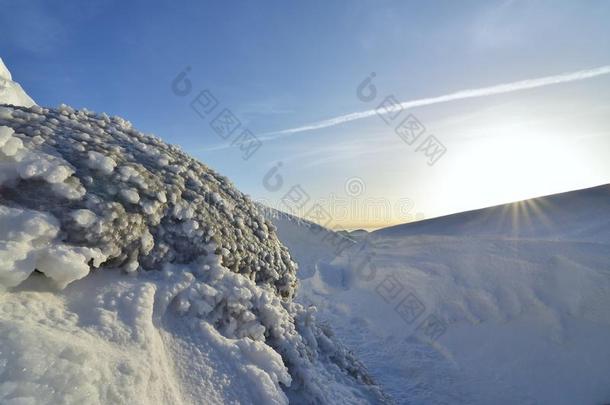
(506, 154)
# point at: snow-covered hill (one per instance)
(580, 215)
(130, 273)
(10, 91)
(503, 305)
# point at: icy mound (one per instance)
(137, 201)
(212, 321)
(11, 92)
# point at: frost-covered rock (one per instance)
(64, 161)
(80, 191)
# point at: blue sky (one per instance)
(279, 65)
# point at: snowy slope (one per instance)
(313, 244)
(580, 215)
(132, 273)
(11, 92)
(503, 305)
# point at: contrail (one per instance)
(459, 95)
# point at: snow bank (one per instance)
(151, 339)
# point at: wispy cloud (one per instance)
(459, 95)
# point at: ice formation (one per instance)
(136, 190)
(81, 191)
(11, 92)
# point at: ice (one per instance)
(19, 161)
(4, 72)
(84, 217)
(130, 195)
(100, 162)
(9, 145)
(28, 242)
(66, 264)
(11, 92)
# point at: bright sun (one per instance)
(503, 167)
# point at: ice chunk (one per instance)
(84, 217)
(9, 145)
(100, 162)
(130, 195)
(28, 242)
(65, 264)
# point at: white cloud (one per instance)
(459, 95)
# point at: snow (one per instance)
(28, 242)
(9, 145)
(4, 72)
(522, 290)
(20, 161)
(100, 162)
(11, 92)
(84, 217)
(49, 356)
(132, 273)
(311, 244)
(130, 195)
(148, 339)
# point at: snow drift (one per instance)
(314, 245)
(521, 292)
(207, 317)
